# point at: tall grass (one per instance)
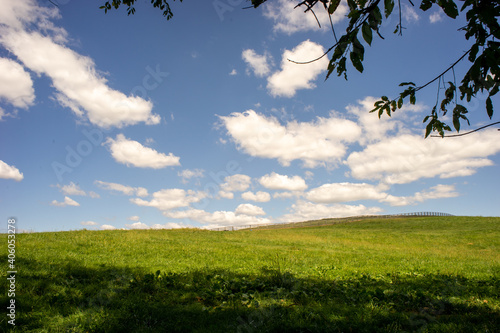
(406, 274)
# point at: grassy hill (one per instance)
(436, 274)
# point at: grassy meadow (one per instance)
(417, 274)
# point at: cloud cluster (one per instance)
(74, 189)
(17, 86)
(124, 189)
(288, 19)
(10, 172)
(67, 202)
(319, 142)
(291, 77)
(24, 27)
(259, 64)
(132, 153)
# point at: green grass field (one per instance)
(432, 274)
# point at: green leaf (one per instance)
(489, 107)
(413, 99)
(333, 6)
(456, 123)
(428, 128)
(426, 4)
(367, 33)
(389, 6)
(400, 102)
(449, 8)
(356, 62)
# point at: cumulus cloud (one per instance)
(25, 27)
(167, 199)
(10, 172)
(187, 174)
(260, 196)
(236, 183)
(249, 209)
(409, 14)
(259, 64)
(124, 189)
(67, 202)
(435, 17)
(107, 227)
(274, 181)
(344, 192)
(292, 77)
(137, 225)
(88, 223)
(406, 158)
(71, 189)
(133, 218)
(16, 86)
(216, 219)
(318, 142)
(130, 152)
(304, 211)
(288, 19)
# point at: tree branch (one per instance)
(455, 135)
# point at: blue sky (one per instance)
(115, 121)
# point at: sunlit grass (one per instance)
(405, 274)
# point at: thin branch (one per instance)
(333, 30)
(455, 135)
(365, 10)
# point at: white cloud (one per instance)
(67, 202)
(233, 72)
(292, 77)
(133, 218)
(316, 143)
(167, 199)
(16, 86)
(215, 219)
(131, 152)
(260, 196)
(289, 20)
(188, 174)
(127, 190)
(169, 225)
(409, 14)
(107, 227)
(435, 17)
(344, 192)
(436, 192)
(71, 189)
(407, 158)
(304, 211)
(249, 209)
(88, 223)
(258, 63)
(226, 195)
(274, 181)
(10, 172)
(74, 76)
(236, 183)
(137, 225)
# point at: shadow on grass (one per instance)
(73, 298)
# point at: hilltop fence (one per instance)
(327, 221)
